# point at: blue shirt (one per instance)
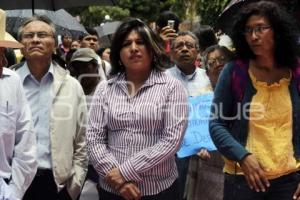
(40, 97)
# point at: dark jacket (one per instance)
(228, 125)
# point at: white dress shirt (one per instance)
(196, 83)
(17, 139)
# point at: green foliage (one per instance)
(179, 8)
(210, 10)
(149, 10)
(207, 10)
(94, 15)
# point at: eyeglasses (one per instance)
(213, 62)
(40, 35)
(258, 30)
(180, 45)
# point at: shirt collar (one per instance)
(189, 77)
(156, 77)
(6, 72)
(24, 72)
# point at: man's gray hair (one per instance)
(41, 18)
(189, 33)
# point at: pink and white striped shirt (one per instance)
(138, 134)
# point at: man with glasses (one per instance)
(183, 53)
(58, 106)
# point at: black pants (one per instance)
(169, 194)
(43, 187)
(182, 168)
(282, 188)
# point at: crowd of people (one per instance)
(84, 121)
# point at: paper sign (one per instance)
(197, 133)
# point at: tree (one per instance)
(208, 11)
(149, 10)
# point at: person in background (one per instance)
(75, 44)
(215, 58)
(91, 40)
(59, 111)
(104, 53)
(17, 137)
(65, 46)
(206, 37)
(137, 120)
(206, 179)
(84, 67)
(198, 60)
(184, 51)
(166, 32)
(255, 114)
(68, 59)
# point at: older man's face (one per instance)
(38, 40)
(184, 51)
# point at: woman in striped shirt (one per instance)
(137, 120)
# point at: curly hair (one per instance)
(159, 56)
(284, 28)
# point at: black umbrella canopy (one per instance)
(227, 18)
(65, 23)
(50, 4)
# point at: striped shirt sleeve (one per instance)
(101, 158)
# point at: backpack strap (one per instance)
(239, 79)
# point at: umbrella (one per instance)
(65, 23)
(227, 17)
(50, 4)
(107, 28)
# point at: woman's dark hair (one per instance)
(101, 50)
(163, 18)
(159, 56)
(206, 37)
(284, 28)
(229, 55)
